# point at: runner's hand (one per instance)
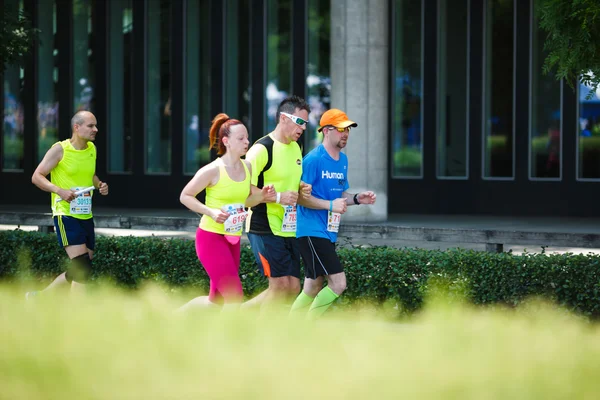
(366, 197)
(219, 216)
(268, 193)
(289, 198)
(339, 205)
(66, 194)
(305, 190)
(103, 188)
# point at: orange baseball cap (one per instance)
(337, 118)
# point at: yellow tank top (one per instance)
(229, 196)
(75, 171)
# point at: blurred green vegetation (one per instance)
(111, 344)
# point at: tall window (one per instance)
(279, 54)
(237, 62)
(453, 85)
(198, 86)
(83, 55)
(12, 149)
(120, 61)
(47, 78)
(318, 80)
(545, 130)
(498, 142)
(158, 87)
(407, 152)
(588, 149)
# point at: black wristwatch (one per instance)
(356, 199)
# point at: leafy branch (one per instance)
(573, 40)
(17, 36)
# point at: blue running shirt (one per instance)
(329, 179)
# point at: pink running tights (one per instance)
(221, 260)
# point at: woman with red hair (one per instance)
(227, 184)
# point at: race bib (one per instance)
(82, 204)
(333, 221)
(237, 215)
(289, 219)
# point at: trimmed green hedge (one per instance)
(377, 274)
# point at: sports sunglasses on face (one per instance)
(340, 130)
(296, 120)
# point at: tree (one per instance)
(17, 36)
(573, 40)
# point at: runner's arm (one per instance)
(102, 187)
(206, 176)
(337, 205)
(367, 197)
(48, 163)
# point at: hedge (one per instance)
(378, 275)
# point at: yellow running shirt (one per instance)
(283, 170)
(74, 171)
(229, 196)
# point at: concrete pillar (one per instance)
(359, 87)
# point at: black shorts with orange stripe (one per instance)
(73, 231)
(276, 256)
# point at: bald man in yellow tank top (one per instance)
(72, 166)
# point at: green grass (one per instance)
(123, 345)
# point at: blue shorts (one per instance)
(276, 256)
(73, 231)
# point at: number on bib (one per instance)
(289, 219)
(82, 204)
(333, 221)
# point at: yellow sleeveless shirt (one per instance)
(229, 196)
(74, 171)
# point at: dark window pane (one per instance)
(83, 57)
(47, 78)
(158, 89)
(546, 143)
(589, 134)
(279, 54)
(13, 125)
(198, 86)
(407, 156)
(318, 81)
(452, 120)
(120, 33)
(499, 87)
(237, 62)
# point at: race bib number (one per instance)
(82, 204)
(333, 221)
(237, 216)
(289, 219)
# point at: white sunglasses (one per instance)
(295, 119)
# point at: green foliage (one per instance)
(573, 39)
(407, 161)
(376, 275)
(16, 36)
(202, 155)
(13, 152)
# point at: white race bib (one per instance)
(82, 204)
(237, 215)
(333, 221)
(289, 219)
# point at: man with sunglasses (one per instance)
(277, 160)
(326, 169)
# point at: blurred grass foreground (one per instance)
(110, 344)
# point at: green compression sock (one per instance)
(322, 302)
(302, 302)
